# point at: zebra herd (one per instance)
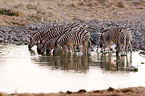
(69, 37)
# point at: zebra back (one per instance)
(58, 31)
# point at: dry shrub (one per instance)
(139, 3)
(121, 4)
(20, 6)
(103, 2)
(31, 6)
(10, 12)
(81, 3)
(93, 3)
(107, 3)
(72, 5)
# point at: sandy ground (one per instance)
(24, 12)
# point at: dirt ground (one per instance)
(23, 12)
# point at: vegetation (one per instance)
(23, 12)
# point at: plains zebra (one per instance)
(95, 39)
(48, 31)
(125, 40)
(48, 46)
(57, 32)
(39, 34)
(73, 38)
(121, 36)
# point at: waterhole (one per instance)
(22, 70)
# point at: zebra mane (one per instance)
(105, 30)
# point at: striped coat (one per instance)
(121, 36)
(74, 38)
(57, 32)
(51, 32)
(49, 45)
(37, 36)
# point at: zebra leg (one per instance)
(124, 45)
(109, 44)
(130, 43)
(85, 47)
(117, 48)
(65, 49)
(69, 49)
(48, 51)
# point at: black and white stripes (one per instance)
(67, 35)
(122, 36)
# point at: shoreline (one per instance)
(130, 91)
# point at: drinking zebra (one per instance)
(57, 32)
(51, 32)
(71, 39)
(122, 36)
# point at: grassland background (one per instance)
(60, 11)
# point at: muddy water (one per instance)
(26, 71)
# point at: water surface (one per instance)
(22, 70)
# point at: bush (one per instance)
(9, 12)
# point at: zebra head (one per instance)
(32, 43)
(101, 40)
(57, 49)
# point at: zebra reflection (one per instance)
(111, 62)
(75, 63)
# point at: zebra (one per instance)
(73, 38)
(39, 34)
(48, 46)
(121, 36)
(95, 39)
(125, 40)
(44, 32)
(57, 31)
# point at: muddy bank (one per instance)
(132, 91)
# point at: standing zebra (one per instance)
(73, 38)
(57, 32)
(121, 36)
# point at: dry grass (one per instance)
(33, 11)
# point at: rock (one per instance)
(142, 52)
(138, 34)
(98, 91)
(68, 92)
(1, 37)
(126, 90)
(110, 89)
(132, 68)
(82, 91)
